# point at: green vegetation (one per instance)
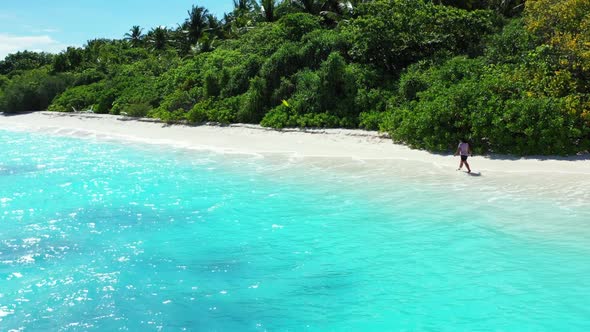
(509, 76)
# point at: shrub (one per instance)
(498, 108)
(212, 86)
(393, 34)
(178, 100)
(511, 45)
(337, 87)
(283, 92)
(136, 90)
(371, 120)
(306, 98)
(283, 63)
(3, 81)
(411, 83)
(32, 91)
(25, 60)
(225, 111)
(198, 114)
(105, 101)
(263, 41)
(139, 110)
(77, 98)
(319, 44)
(299, 24)
(89, 76)
(236, 80)
(320, 120)
(255, 101)
(278, 118)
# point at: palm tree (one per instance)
(215, 27)
(179, 38)
(329, 7)
(242, 18)
(267, 9)
(341, 6)
(159, 38)
(213, 23)
(134, 36)
(244, 5)
(196, 23)
(337, 10)
(207, 43)
(309, 6)
(226, 25)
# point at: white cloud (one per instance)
(33, 29)
(50, 30)
(12, 44)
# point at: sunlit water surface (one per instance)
(104, 236)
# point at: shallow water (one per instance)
(103, 236)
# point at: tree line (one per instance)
(511, 76)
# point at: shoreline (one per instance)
(355, 144)
(344, 155)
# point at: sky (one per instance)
(53, 25)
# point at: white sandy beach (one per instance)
(365, 153)
(368, 157)
(356, 144)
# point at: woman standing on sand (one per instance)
(465, 151)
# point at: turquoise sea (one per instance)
(105, 236)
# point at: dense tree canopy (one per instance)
(25, 60)
(508, 75)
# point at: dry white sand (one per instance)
(356, 144)
(365, 153)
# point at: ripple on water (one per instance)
(113, 237)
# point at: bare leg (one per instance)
(468, 168)
(460, 165)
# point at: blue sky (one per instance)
(43, 25)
